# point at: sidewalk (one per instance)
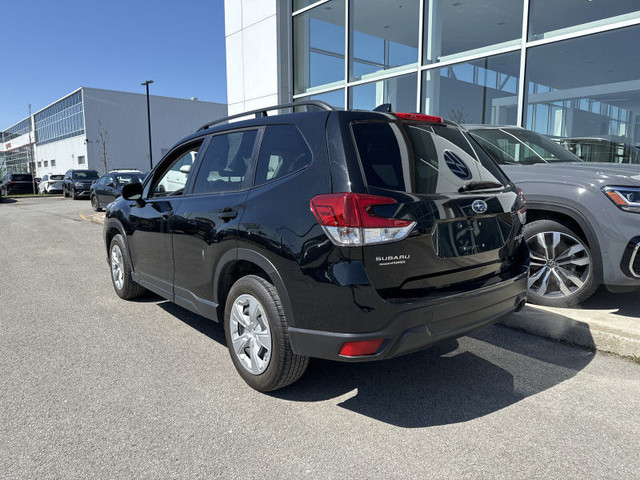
(607, 322)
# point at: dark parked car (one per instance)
(346, 235)
(16, 183)
(77, 183)
(583, 226)
(109, 186)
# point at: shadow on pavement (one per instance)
(451, 383)
(8, 200)
(625, 304)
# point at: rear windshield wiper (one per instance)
(467, 187)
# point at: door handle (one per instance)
(227, 214)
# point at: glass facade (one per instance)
(63, 119)
(566, 69)
(16, 160)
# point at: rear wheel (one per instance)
(257, 336)
(94, 204)
(562, 271)
(121, 270)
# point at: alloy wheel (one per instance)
(250, 334)
(560, 264)
(117, 267)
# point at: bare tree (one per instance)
(458, 115)
(103, 136)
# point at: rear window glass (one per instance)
(56, 177)
(424, 159)
(21, 178)
(125, 178)
(88, 175)
(517, 146)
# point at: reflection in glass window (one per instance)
(548, 18)
(298, 4)
(226, 163)
(588, 91)
(481, 91)
(318, 46)
(400, 92)
(384, 36)
(334, 98)
(467, 27)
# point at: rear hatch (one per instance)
(21, 183)
(466, 215)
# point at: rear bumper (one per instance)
(417, 327)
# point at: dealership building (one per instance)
(566, 68)
(91, 128)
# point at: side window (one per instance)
(226, 164)
(174, 179)
(283, 151)
(110, 179)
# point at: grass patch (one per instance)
(31, 195)
(635, 359)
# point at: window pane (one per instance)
(283, 151)
(384, 36)
(334, 98)
(226, 164)
(549, 18)
(173, 180)
(400, 92)
(318, 46)
(586, 90)
(454, 28)
(481, 91)
(298, 4)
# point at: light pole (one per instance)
(146, 84)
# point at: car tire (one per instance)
(64, 193)
(120, 267)
(562, 269)
(73, 194)
(263, 370)
(94, 204)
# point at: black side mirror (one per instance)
(132, 191)
(112, 185)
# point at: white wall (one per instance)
(123, 116)
(64, 152)
(254, 64)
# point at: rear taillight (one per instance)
(363, 347)
(348, 219)
(522, 206)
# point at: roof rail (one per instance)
(262, 112)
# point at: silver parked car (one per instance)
(583, 218)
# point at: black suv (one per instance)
(77, 183)
(16, 183)
(346, 235)
(109, 186)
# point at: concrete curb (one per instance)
(549, 324)
(98, 218)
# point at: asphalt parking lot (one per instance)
(95, 386)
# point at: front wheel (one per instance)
(257, 336)
(73, 194)
(562, 270)
(121, 270)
